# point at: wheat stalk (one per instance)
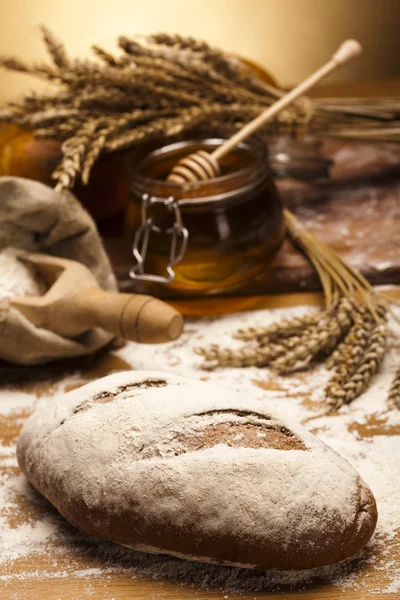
(75, 151)
(285, 328)
(245, 357)
(55, 48)
(345, 392)
(105, 56)
(319, 339)
(346, 356)
(394, 392)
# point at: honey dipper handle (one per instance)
(346, 51)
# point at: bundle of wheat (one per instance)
(350, 333)
(164, 85)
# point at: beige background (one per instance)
(290, 37)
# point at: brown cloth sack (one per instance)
(35, 218)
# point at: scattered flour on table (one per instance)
(16, 278)
(375, 454)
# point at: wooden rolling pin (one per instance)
(74, 303)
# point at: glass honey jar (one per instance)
(209, 237)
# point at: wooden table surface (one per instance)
(52, 575)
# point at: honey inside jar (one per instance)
(234, 221)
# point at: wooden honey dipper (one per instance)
(74, 303)
(202, 165)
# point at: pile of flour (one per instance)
(16, 278)
(365, 433)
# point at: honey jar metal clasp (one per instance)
(179, 239)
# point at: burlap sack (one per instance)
(34, 217)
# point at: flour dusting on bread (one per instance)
(195, 470)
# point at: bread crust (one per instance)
(120, 459)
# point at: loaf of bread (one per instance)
(168, 465)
